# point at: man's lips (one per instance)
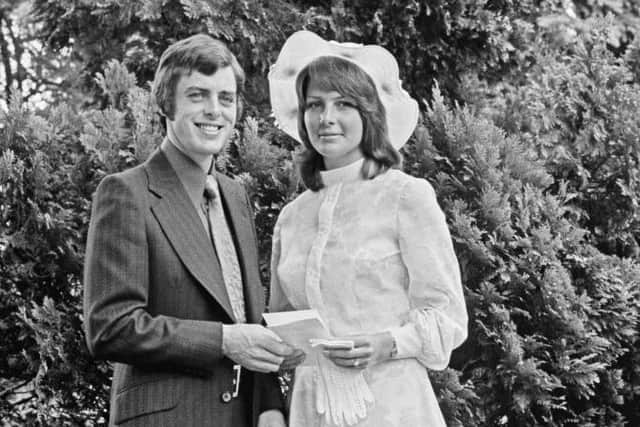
(209, 128)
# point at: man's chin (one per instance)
(213, 148)
(211, 144)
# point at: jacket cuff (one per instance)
(271, 396)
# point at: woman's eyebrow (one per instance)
(338, 96)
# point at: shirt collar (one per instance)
(348, 173)
(189, 172)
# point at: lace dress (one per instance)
(370, 256)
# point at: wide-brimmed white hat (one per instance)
(303, 47)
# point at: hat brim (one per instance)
(302, 47)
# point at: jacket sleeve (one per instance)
(117, 325)
(437, 321)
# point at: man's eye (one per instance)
(227, 99)
(195, 96)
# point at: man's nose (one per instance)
(212, 106)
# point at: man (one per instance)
(172, 287)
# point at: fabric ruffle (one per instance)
(436, 345)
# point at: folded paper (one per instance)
(297, 328)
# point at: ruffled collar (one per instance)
(348, 173)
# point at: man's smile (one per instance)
(207, 128)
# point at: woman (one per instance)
(366, 245)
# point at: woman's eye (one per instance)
(313, 105)
(345, 104)
(195, 96)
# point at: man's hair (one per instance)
(200, 53)
(332, 73)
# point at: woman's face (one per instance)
(334, 126)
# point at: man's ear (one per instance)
(167, 113)
(239, 107)
(163, 120)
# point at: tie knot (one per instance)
(210, 188)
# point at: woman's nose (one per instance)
(327, 116)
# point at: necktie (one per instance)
(225, 248)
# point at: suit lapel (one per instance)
(182, 225)
(241, 226)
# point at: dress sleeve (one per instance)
(278, 301)
(437, 321)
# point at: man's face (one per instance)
(204, 115)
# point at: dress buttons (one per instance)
(226, 397)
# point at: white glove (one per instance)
(342, 394)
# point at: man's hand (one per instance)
(293, 360)
(271, 418)
(254, 347)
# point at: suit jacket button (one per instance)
(225, 397)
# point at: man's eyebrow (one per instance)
(205, 90)
(196, 88)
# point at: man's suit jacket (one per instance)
(155, 300)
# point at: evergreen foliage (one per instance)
(538, 353)
(530, 135)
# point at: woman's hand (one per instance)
(368, 350)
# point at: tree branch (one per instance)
(11, 389)
(18, 51)
(21, 401)
(6, 64)
(42, 81)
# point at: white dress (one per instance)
(370, 256)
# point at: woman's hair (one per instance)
(200, 53)
(332, 73)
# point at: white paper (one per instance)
(332, 344)
(284, 317)
(297, 328)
